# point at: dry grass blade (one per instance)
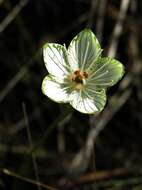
(118, 27)
(12, 15)
(81, 160)
(12, 83)
(31, 144)
(1, 1)
(13, 174)
(100, 19)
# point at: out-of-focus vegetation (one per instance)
(44, 143)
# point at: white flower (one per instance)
(79, 75)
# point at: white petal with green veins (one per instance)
(79, 75)
(88, 102)
(83, 50)
(55, 91)
(106, 72)
(55, 59)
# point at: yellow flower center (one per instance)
(78, 79)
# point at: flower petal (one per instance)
(106, 72)
(83, 50)
(55, 91)
(88, 101)
(55, 59)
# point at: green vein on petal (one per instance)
(88, 102)
(83, 50)
(106, 72)
(55, 58)
(84, 54)
(55, 91)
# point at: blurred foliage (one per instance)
(59, 133)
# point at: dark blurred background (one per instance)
(40, 139)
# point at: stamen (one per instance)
(85, 74)
(78, 79)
